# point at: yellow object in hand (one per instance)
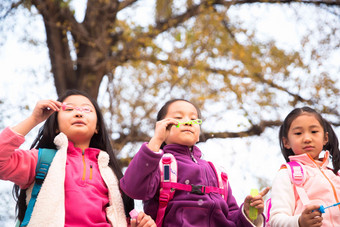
(252, 210)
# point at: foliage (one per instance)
(188, 49)
(192, 50)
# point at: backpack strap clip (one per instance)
(198, 189)
(41, 173)
(297, 173)
(164, 198)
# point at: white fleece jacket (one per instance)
(49, 209)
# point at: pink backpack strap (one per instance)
(222, 178)
(168, 169)
(298, 178)
(268, 207)
(168, 185)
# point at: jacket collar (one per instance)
(91, 153)
(306, 159)
(182, 149)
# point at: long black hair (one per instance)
(100, 140)
(332, 145)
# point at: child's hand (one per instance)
(256, 201)
(43, 109)
(311, 217)
(143, 220)
(162, 131)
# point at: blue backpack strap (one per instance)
(45, 157)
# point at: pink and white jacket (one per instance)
(80, 188)
(322, 187)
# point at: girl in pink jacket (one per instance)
(303, 135)
(81, 187)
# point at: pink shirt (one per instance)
(86, 194)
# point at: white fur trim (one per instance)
(49, 209)
(61, 141)
(103, 159)
(115, 212)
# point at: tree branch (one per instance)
(14, 5)
(311, 2)
(126, 3)
(226, 73)
(255, 130)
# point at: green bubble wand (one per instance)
(253, 212)
(191, 122)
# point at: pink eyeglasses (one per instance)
(70, 108)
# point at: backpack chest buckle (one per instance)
(198, 189)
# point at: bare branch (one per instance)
(255, 130)
(14, 5)
(311, 2)
(126, 3)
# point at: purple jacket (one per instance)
(142, 178)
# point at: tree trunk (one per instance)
(90, 49)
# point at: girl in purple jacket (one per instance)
(142, 177)
(81, 187)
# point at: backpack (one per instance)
(168, 185)
(298, 178)
(45, 157)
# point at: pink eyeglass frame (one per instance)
(80, 109)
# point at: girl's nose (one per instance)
(79, 114)
(307, 138)
(188, 122)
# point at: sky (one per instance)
(240, 158)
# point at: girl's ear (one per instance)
(286, 143)
(325, 139)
